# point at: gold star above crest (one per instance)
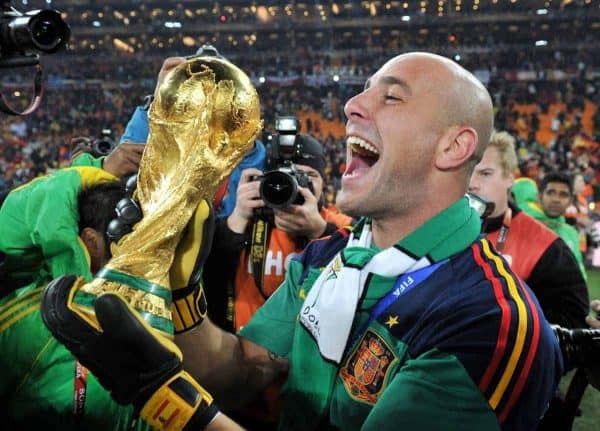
(392, 320)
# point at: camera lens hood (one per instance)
(278, 189)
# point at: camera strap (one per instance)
(258, 250)
(38, 92)
(504, 230)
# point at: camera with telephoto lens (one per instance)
(281, 182)
(25, 35)
(103, 145)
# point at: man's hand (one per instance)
(302, 220)
(80, 145)
(168, 64)
(594, 322)
(247, 200)
(124, 159)
(131, 360)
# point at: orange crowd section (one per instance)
(545, 135)
(321, 126)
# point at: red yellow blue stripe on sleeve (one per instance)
(518, 334)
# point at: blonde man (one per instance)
(534, 252)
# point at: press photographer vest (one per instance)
(269, 253)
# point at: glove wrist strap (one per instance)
(178, 402)
(189, 308)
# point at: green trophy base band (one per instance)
(164, 325)
(136, 282)
(154, 306)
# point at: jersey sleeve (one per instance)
(491, 325)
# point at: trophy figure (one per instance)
(204, 118)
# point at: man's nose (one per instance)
(356, 107)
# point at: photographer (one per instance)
(123, 160)
(285, 234)
(238, 277)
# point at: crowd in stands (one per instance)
(547, 98)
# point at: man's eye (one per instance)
(392, 97)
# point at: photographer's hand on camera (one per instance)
(593, 372)
(247, 200)
(124, 159)
(594, 321)
(302, 220)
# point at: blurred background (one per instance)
(540, 60)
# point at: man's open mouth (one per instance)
(363, 150)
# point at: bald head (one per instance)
(463, 99)
(412, 134)
(468, 103)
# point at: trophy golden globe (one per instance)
(204, 118)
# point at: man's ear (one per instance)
(94, 243)
(458, 145)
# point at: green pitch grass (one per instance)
(590, 404)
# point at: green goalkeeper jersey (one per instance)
(39, 228)
(42, 385)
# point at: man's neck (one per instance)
(388, 231)
(555, 218)
(499, 209)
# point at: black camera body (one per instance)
(103, 145)
(279, 185)
(279, 188)
(25, 35)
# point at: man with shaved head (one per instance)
(409, 320)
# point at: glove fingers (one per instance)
(145, 357)
(193, 247)
(64, 323)
(124, 326)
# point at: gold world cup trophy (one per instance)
(205, 117)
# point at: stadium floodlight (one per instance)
(541, 42)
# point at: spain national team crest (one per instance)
(364, 373)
